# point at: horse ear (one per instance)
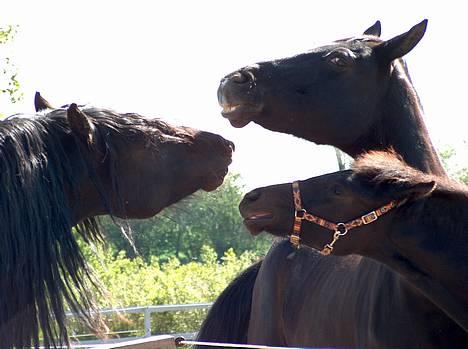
(40, 103)
(80, 124)
(374, 30)
(415, 191)
(402, 44)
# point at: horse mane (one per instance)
(381, 167)
(388, 167)
(41, 264)
(129, 124)
(444, 208)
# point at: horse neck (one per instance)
(440, 219)
(400, 126)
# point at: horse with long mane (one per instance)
(414, 223)
(354, 94)
(63, 167)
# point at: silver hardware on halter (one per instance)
(341, 229)
(369, 218)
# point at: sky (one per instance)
(165, 59)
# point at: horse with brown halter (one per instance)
(355, 94)
(412, 222)
(61, 169)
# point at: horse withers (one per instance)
(412, 222)
(63, 167)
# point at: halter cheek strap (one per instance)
(340, 229)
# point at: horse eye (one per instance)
(339, 61)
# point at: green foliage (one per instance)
(6, 34)
(186, 254)
(455, 165)
(205, 219)
(9, 84)
(136, 282)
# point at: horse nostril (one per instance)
(239, 77)
(252, 196)
(231, 146)
(227, 147)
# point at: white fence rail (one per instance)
(147, 311)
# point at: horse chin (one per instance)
(237, 120)
(253, 229)
(239, 123)
(240, 115)
(214, 184)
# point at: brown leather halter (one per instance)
(340, 229)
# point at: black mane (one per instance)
(444, 213)
(38, 159)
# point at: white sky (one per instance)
(166, 59)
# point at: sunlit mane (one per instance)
(361, 39)
(381, 167)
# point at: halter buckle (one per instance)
(369, 218)
(295, 240)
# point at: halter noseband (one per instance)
(340, 229)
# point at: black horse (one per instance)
(414, 223)
(355, 94)
(60, 169)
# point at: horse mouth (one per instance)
(258, 222)
(239, 115)
(216, 180)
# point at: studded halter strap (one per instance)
(340, 229)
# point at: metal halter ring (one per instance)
(300, 213)
(341, 229)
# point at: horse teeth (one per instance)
(230, 108)
(260, 215)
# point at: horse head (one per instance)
(362, 203)
(332, 94)
(143, 164)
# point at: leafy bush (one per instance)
(9, 84)
(136, 282)
(454, 162)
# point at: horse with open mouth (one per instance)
(354, 94)
(61, 168)
(414, 223)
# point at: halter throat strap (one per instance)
(340, 229)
